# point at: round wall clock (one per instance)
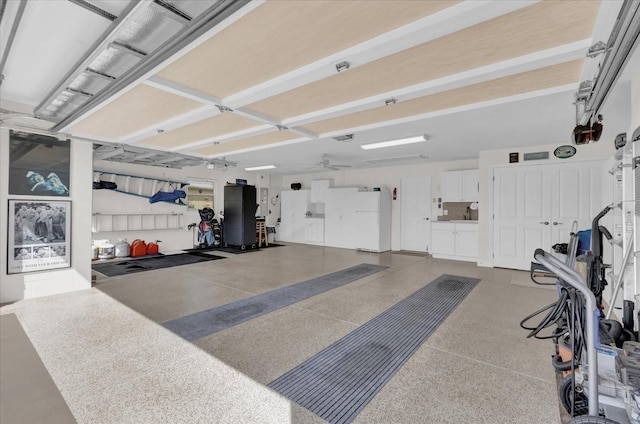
(564, 152)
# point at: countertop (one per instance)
(458, 221)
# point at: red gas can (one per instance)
(152, 248)
(138, 248)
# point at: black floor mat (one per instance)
(338, 382)
(231, 249)
(112, 269)
(205, 323)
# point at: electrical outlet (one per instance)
(446, 212)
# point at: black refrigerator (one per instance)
(239, 228)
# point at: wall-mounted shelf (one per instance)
(135, 222)
(140, 186)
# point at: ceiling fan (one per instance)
(326, 163)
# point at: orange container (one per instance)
(152, 248)
(138, 248)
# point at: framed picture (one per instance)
(38, 165)
(39, 235)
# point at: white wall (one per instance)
(172, 240)
(42, 283)
(387, 179)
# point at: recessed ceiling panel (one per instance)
(280, 36)
(247, 143)
(136, 110)
(537, 27)
(565, 73)
(216, 126)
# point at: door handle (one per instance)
(426, 219)
(557, 223)
(544, 222)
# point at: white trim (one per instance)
(215, 30)
(176, 122)
(493, 102)
(537, 60)
(253, 149)
(447, 21)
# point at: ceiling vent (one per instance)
(344, 138)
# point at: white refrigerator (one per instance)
(373, 221)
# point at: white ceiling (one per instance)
(472, 90)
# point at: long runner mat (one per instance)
(205, 323)
(338, 382)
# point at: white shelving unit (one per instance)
(135, 222)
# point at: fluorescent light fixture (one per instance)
(395, 159)
(259, 168)
(398, 142)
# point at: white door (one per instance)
(522, 210)
(577, 196)
(415, 214)
(535, 206)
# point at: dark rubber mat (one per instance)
(112, 269)
(205, 323)
(338, 382)
(231, 249)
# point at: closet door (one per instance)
(535, 206)
(522, 209)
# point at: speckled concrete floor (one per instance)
(113, 363)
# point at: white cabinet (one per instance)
(294, 205)
(442, 239)
(373, 221)
(340, 217)
(314, 231)
(318, 189)
(455, 240)
(470, 185)
(460, 186)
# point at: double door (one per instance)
(535, 207)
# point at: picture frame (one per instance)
(39, 165)
(39, 235)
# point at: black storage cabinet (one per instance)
(239, 228)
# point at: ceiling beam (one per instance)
(95, 9)
(541, 59)
(447, 21)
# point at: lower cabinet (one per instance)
(455, 240)
(314, 231)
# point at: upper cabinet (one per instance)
(319, 189)
(460, 186)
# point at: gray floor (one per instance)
(113, 363)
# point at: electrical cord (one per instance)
(556, 310)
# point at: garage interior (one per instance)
(405, 159)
